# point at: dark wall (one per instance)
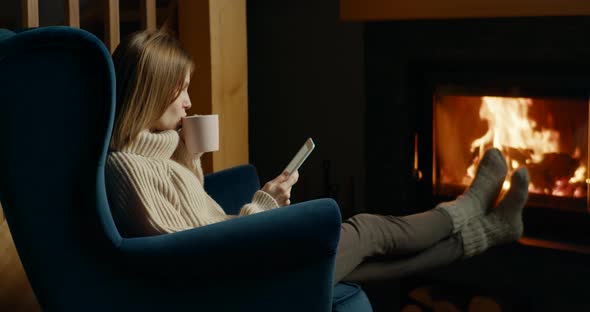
(306, 76)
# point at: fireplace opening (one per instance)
(537, 119)
(540, 123)
(548, 135)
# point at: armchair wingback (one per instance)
(57, 91)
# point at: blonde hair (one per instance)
(150, 68)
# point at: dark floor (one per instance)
(508, 278)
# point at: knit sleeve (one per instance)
(262, 201)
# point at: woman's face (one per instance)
(172, 117)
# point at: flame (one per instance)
(579, 175)
(510, 129)
(509, 126)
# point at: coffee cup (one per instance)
(201, 133)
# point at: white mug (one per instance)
(201, 133)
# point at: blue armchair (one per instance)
(57, 88)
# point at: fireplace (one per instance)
(441, 92)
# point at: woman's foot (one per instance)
(482, 193)
(503, 224)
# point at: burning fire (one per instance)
(517, 136)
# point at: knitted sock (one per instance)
(482, 193)
(503, 224)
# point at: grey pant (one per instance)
(375, 247)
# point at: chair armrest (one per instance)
(233, 188)
(277, 240)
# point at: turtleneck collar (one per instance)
(154, 144)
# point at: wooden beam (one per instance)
(112, 31)
(73, 13)
(30, 13)
(193, 32)
(214, 33)
(148, 14)
(364, 10)
(229, 80)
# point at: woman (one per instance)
(155, 186)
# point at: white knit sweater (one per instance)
(155, 186)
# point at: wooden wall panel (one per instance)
(16, 293)
(359, 10)
(30, 13)
(148, 14)
(73, 13)
(229, 80)
(193, 31)
(214, 32)
(111, 23)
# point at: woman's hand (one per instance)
(280, 187)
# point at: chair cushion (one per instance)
(5, 33)
(350, 297)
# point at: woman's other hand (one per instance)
(280, 187)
